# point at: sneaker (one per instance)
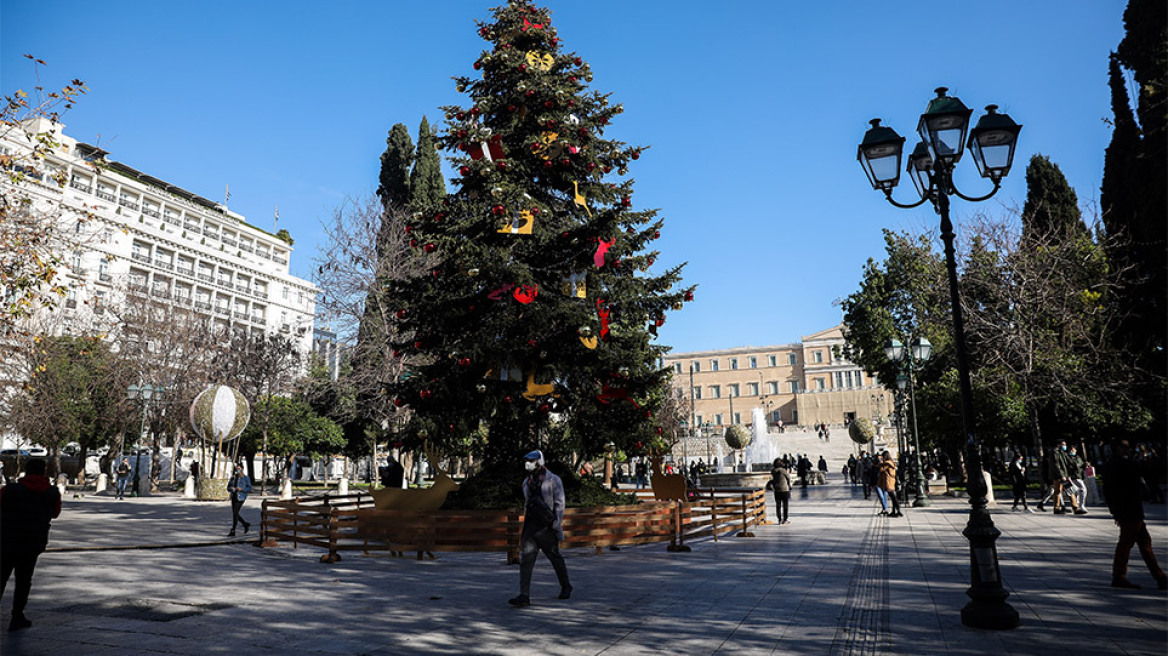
(1040, 508)
(246, 528)
(231, 534)
(19, 622)
(1122, 582)
(1059, 511)
(1080, 511)
(520, 601)
(1014, 509)
(566, 593)
(1030, 510)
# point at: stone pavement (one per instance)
(837, 580)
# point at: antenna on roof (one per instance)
(276, 218)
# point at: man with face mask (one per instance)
(1078, 487)
(1060, 466)
(543, 517)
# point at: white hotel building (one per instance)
(152, 238)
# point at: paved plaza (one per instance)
(837, 580)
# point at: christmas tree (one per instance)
(536, 325)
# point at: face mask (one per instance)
(531, 466)
(1064, 448)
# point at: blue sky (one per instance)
(753, 111)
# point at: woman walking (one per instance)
(886, 485)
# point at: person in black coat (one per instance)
(1122, 482)
(27, 508)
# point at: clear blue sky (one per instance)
(753, 111)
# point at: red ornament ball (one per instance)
(571, 78)
(548, 164)
(507, 399)
(578, 61)
(437, 273)
(630, 230)
(500, 165)
(401, 314)
(636, 154)
(565, 162)
(478, 65)
(591, 165)
(464, 171)
(656, 234)
(464, 362)
(418, 344)
(398, 401)
(474, 111)
(626, 201)
(545, 408)
(409, 229)
(523, 68)
(430, 247)
(439, 216)
(460, 116)
(498, 210)
(689, 296)
(530, 93)
(462, 134)
(512, 108)
(425, 394)
(549, 104)
(413, 243)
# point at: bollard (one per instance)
(343, 487)
(102, 483)
(62, 483)
(286, 489)
(189, 488)
(989, 483)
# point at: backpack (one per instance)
(537, 514)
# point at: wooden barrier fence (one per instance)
(352, 523)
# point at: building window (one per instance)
(103, 270)
(839, 380)
(76, 261)
(772, 361)
(793, 385)
(695, 366)
(791, 360)
(697, 392)
(713, 365)
(718, 420)
(776, 416)
(737, 417)
(753, 362)
(820, 383)
(733, 364)
(676, 367)
(819, 357)
(772, 387)
(715, 391)
(795, 417)
(733, 390)
(752, 389)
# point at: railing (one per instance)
(105, 277)
(222, 310)
(193, 227)
(128, 204)
(171, 220)
(352, 523)
(149, 212)
(141, 257)
(230, 242)
(206, 278)
(208, 232)
(280, 260)
(257, 318)
(186, 272)
(241, 315)
(137, 289)
(160, 292)
(81, 187)
(105, 195)
(164, 265)
(243, 288)
(201, 305)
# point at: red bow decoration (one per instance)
(602, 248)
(526, 293)
(603, 313)
(491, 149)
(530, 25)
(610, 394)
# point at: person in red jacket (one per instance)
(27, 508)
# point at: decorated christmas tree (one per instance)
(536, 326)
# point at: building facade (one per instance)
(138, 236)
(801, 384)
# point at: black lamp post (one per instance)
(144, 393)
(942, 129)
(919, 350)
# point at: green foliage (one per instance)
(293, 428)
(284, 236)
(394, 190)
(1052, 208)
(861, 430)
(475, 348)
(427, 188)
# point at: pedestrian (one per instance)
(543, 527)
(1018, 478)
(27, 508)
(239, 486)
(822, 466)
(1077, 467)
(804, 469)
(642, 472)
(851, 468)
(781, 484)
(123, 474)
(1127, 508)
(1060, 475)
(886, 485)
(1092, 489)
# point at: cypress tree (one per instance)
(394, 190)
(427, 188)
(1051, 208)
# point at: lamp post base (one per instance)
(995, 615)
(921, 502)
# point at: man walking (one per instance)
(543, 527)
(27, 508)
(1060, 474)
(123, 474)
(239, 486)
(1076, 466)
(1126, 506)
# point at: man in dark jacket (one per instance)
(1123, 500)
(27, 507)
(781, 484)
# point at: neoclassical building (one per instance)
(804, 383)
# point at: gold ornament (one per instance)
(540, 61)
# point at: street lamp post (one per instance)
(942, 128)
(143, 393)
(919, 350)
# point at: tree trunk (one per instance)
(82, 456)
